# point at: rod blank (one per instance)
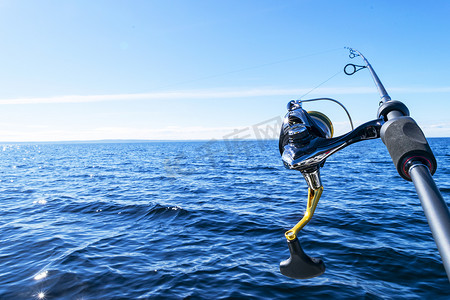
(435, 209)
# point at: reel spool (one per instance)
(323, 122)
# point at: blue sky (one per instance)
(87, 70)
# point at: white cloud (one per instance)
(436, 130)
(444, 89)
(191, 94)
(208, 94)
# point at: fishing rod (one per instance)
(306, 141)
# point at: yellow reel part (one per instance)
(313, 200)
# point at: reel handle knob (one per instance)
(299, 265)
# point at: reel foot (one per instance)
(300, 265)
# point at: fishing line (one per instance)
(316, 87)
(355, 69)
(250, 68)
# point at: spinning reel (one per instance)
(306, 141)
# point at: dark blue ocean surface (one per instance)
(206, 220)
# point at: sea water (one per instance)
(206, 220)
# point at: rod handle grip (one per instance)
(406, 143)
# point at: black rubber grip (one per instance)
(406, 142)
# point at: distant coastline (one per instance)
(124, 141)
(134, 141)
